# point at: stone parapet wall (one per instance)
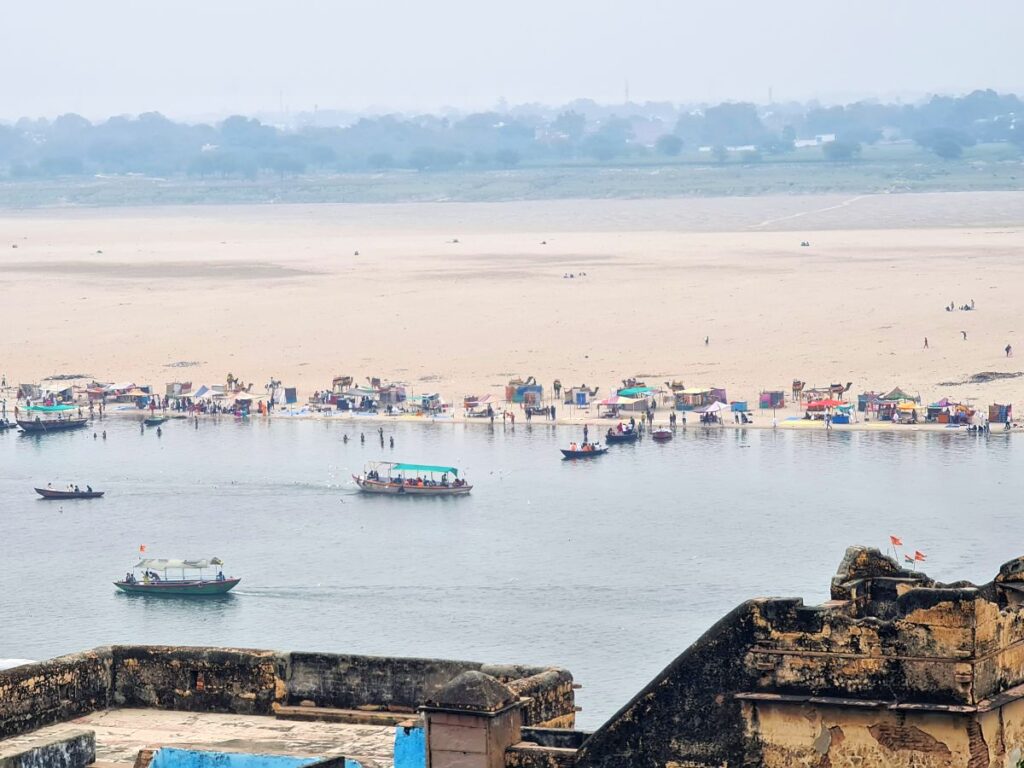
(250, 682)
(552, 698)
(348, 682)
(231, 680)
(34, 695)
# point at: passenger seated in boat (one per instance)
(572, 446)
(88, 489)
(220, 575)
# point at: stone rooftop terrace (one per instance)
(121, 733)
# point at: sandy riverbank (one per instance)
(267, 291)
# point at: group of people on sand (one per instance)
(963, 307)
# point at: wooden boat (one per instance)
(155, 421)
(662, 435)
(568, 453)
(5, 425)
(38, 426)
(49, 493)
(394, 478)
(629, 436)
(153, 583)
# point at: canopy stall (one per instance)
(637, 391)
(527, 394)
(1000, 413)
(694, 397)
(946, 411)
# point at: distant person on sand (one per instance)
(1009, 351)
(965, 335)
(926, 342)
(707, 340)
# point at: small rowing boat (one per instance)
(403, 479)
(152, 582)
(39, 426)
(49, 493)
(154, 421)
(626, 436)
(577, 453)
(662, 435)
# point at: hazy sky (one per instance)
(192, 58)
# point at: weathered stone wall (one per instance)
(400, 684)
(791, 735)
(349, 682)
(196, 679)
(687, 715)
(924, 654)
(34, 695)
(552, 697)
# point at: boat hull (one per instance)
(569, 454)
(395, 489)
(178, 588)
(621, 437)
(154, 422)
(47, 493)
(661, 435)
(52, 425)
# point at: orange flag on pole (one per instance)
(142, 548)
(919, 555)
(896, 541)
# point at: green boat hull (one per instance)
(178, 589)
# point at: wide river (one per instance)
(609, 567)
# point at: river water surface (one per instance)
(609, 567)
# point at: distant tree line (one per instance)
(246, 147)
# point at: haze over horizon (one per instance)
(192, 60)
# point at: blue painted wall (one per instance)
(410, 748)
(167, 757)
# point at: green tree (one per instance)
(669, 145)
(570, 124)
(840, 151)
(947, 149)
(507, 158)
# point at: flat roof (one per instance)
(121, 733)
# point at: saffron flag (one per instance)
(919, 555)
(896, 541)
(142, 547)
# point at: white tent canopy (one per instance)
(162, 564)
(714, 407)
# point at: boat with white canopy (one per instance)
(159, 576)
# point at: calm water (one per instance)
(610, 567)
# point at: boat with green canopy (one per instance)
(50, 418)
(404, 479)
(179, 578)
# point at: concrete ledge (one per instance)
(76, 749)
(351, 716)
(527, 755)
